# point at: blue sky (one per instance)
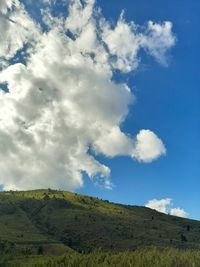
(167, 103)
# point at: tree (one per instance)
(188, 228)
(40, 250)
(183, 238)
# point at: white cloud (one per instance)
(165, 206)
(63, 103)
(5, 5)
(179, 212)
(79, 16)
(148, 146)
(161, 205)
(158, 39)
(123, 43)
(16, 28)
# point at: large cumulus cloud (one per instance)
(63, 106)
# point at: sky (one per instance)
(101, 98)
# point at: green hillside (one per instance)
(49, 222)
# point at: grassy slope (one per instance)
(151, 257)
(58, 220)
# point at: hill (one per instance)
(54, 222)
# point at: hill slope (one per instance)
(49, 221)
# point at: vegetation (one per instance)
(38, 227)
(149, 257)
